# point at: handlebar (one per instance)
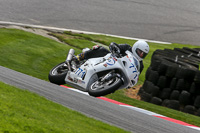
(118, 55)
(115, 49)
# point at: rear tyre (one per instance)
(58, 73)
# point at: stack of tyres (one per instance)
(173, 80)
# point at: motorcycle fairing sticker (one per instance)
(135, 69)
(79, 72)
(110, 62)
(75, 80)
(136, 62)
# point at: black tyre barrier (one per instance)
(171, 71)
(192, 88)
(180, 84)
(173, 80)
(190, 74)
(165, 93)
(189, 109)
(174, 95)
(197, 89)
(148, 72)
(148, 86)
(155, 65)
(188, 55)
(145, 84)
(141, 90)
(184, 98)
(161, 82)
(173, 83)
(181, 73)
(197, 102)
(155, 91)
(163, 68)
(146, 97)
(194, 51)
(187, 85)
(183, 56)
(169, 60)
(197, 77)
(156, 100)
(174, 104)
(165, 103)
(153, 76)
(198, 112)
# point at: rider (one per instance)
(140, 49)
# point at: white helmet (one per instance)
(140, 49)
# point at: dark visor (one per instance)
(141, 53)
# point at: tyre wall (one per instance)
(173, 80)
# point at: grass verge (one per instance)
(35, 55)
(23, 111)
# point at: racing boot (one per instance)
(77, 59)
(81, 56)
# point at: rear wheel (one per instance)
(104, 86)
(58, 73)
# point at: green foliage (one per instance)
(22, 111)
(30, 53)
(75, 41)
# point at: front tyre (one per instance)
(101, 88)
(58, 73)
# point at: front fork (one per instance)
(111, 75)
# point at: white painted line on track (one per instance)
(77, 31)
(85, 93)
(197, 128)
(140, 110)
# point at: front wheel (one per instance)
(101, 88)
(58, 73)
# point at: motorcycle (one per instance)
(97, 76)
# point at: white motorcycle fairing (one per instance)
(128, 67)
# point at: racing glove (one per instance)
(114, 48)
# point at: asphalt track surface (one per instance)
(113, 114)
(176, 21)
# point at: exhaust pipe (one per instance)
(69, 58)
